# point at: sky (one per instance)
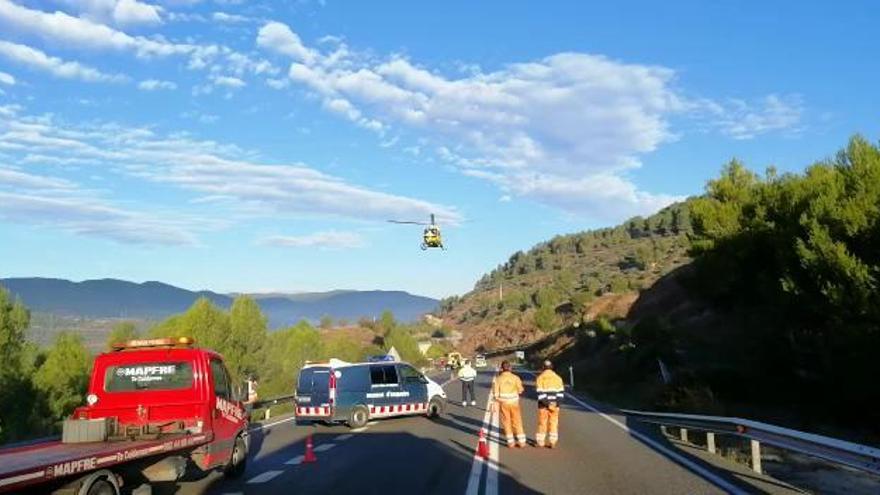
(245, 146)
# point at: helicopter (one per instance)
(431, 237)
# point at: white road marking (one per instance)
(371, 423)
(358, 430)
(270, 425)
(296, 460)
(342, 438)
(696, 468)
(263, 477)
(490, 424)
(324, 447)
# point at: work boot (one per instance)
(551, 445)
(520, 445)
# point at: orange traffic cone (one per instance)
(310, 452)
(482, 446)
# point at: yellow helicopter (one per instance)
(431, 237)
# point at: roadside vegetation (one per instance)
(41, 385)
(760, 298)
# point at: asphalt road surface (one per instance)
(599, 452)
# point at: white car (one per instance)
(480, 361)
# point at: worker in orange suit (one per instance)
(506, 389)
(550, 391)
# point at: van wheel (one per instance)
(435, 408)
(102, 487)
(237, 460)
(359, 417)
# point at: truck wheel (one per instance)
(237, 460)
(435, 408)
(359, 417)
(102, 487)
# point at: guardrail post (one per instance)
(756, 457)
(268, 412)
(683, 433)
(663, 430)
(710, 442)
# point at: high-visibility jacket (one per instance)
(467, 373)
(549, 387)
(507, 387)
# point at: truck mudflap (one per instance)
(22, 468)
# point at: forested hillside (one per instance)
(765, 303)
(569, 277)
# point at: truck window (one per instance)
(383, 375)
(148, 376)
(221, 380)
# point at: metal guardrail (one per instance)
(861, 457)
(268, 403)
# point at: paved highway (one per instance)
(599, 452)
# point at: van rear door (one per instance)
(313, 391)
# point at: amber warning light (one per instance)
(166, 342)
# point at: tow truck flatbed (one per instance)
(37, 463)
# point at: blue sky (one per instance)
(261, 146)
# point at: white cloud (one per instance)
(277, 37)
(569, 124)
(36, 59)
(123, 12)
(277, 83)
(87, 217)
(743, 120)
(73, 31)
(6, 79)
(83, 33)
(155, 84)
(228, 81)
(229, 18)
(32, 199)
(329, 240)
(15, 178)
(206, 168)
(134, 12)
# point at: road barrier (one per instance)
(861, 457)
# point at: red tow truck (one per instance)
(152, 406)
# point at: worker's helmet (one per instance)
(505, 365)
(548, 365)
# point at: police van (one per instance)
(354, 393)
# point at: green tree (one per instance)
(405, 344)
(326, 322)
(17, 361)
(387, 322)
(64, 376)
(121, 333)
(244, 347)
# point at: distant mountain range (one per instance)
(111, 298)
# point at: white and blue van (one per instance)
(354, 393)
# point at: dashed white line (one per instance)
(295, 461)
(263, 477)
(324, 447)
(342, 438)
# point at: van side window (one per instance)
(383, 375)
(409, 374)
(221, 379)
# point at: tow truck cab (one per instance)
(148, 388)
